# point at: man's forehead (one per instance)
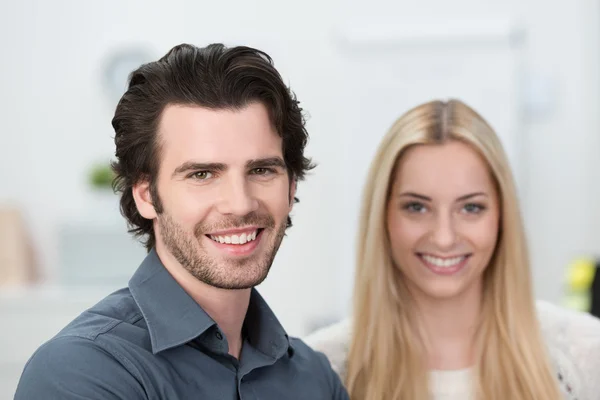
(177, 117)
(218, 135)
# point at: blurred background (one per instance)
(531, 67)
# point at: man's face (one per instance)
(225, 192)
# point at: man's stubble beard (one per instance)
(222, 273)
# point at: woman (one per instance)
(443, 305)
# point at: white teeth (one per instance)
(235, 239)
(443, 262)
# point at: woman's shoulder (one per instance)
(333, 341)
(564, 326)
(573, 340)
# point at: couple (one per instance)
(209, 150)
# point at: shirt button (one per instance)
(218, 335)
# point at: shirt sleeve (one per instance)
(333, 341)
(74, 368)
(338, 391)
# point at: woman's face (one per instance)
(442, 219)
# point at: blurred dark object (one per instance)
(595, 293)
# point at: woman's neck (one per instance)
(449, 327)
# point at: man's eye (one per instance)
(261, 171)
(202, 175)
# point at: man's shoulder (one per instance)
(71, 364)
(319, 364)
(93, 332)
(102, 318)
(87, 355)
(68, 351)
(96, 333)
(305, 354)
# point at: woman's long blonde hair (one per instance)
(386, 358)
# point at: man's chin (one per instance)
(230, 283)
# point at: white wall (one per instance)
(559, 124)
(56, 118)
(562, 196)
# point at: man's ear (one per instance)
(143, 199)
(293, 186)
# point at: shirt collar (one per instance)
(174, 318)
(263, 329)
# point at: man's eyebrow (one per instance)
(266, 162)
(189, 166)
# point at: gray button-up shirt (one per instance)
(153, 341)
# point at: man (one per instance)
(209, 148)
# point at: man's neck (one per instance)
(450, 326)
(226, 307)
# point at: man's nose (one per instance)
(237, 197)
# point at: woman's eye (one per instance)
(415, 207)
(472, 208)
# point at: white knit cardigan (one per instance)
(572, 338)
